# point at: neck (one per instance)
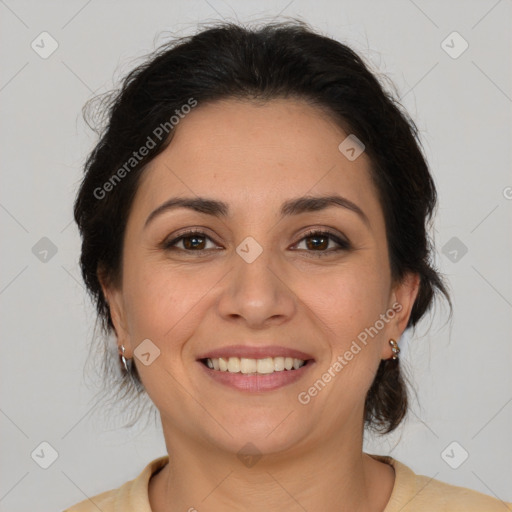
(334, 476)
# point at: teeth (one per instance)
(265, 365)
(248, 365)
(234, 365)
(278, 364)
(252, 366)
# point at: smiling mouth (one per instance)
(249, 366)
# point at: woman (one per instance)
(254, 233)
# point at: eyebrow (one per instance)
(291, 207)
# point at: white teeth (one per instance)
(248, 366)
(265, 365)
(234, 365)
(278, 364)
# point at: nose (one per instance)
(257, 293)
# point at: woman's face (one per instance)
(255, 278)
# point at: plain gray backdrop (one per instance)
(461, 101)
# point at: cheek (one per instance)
(345, 305)
(162, 302)
(346, 300)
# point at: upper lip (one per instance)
(260, 352)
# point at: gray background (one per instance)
(463, 109)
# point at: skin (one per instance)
(254, 157)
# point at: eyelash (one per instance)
(344, 245)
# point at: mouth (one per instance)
(256, 369)
(248, 366)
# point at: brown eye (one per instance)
(317, 242)
(192, 241)
(322, 241)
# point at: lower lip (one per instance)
(256, 383)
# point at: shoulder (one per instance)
(130, 497)
(453, 498)
(419, 493)
(104, 501)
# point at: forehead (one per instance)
(257, 155)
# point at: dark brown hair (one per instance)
(278, 60)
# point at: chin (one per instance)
(264, 433)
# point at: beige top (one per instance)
(411, 493)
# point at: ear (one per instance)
(402, 300)
(114, 298)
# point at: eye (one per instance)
(191, 241)
(322, 241)
(314, 241)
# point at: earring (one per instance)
(394, 348)
(124, 361)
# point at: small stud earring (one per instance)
(394, 348)
(124, 361)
